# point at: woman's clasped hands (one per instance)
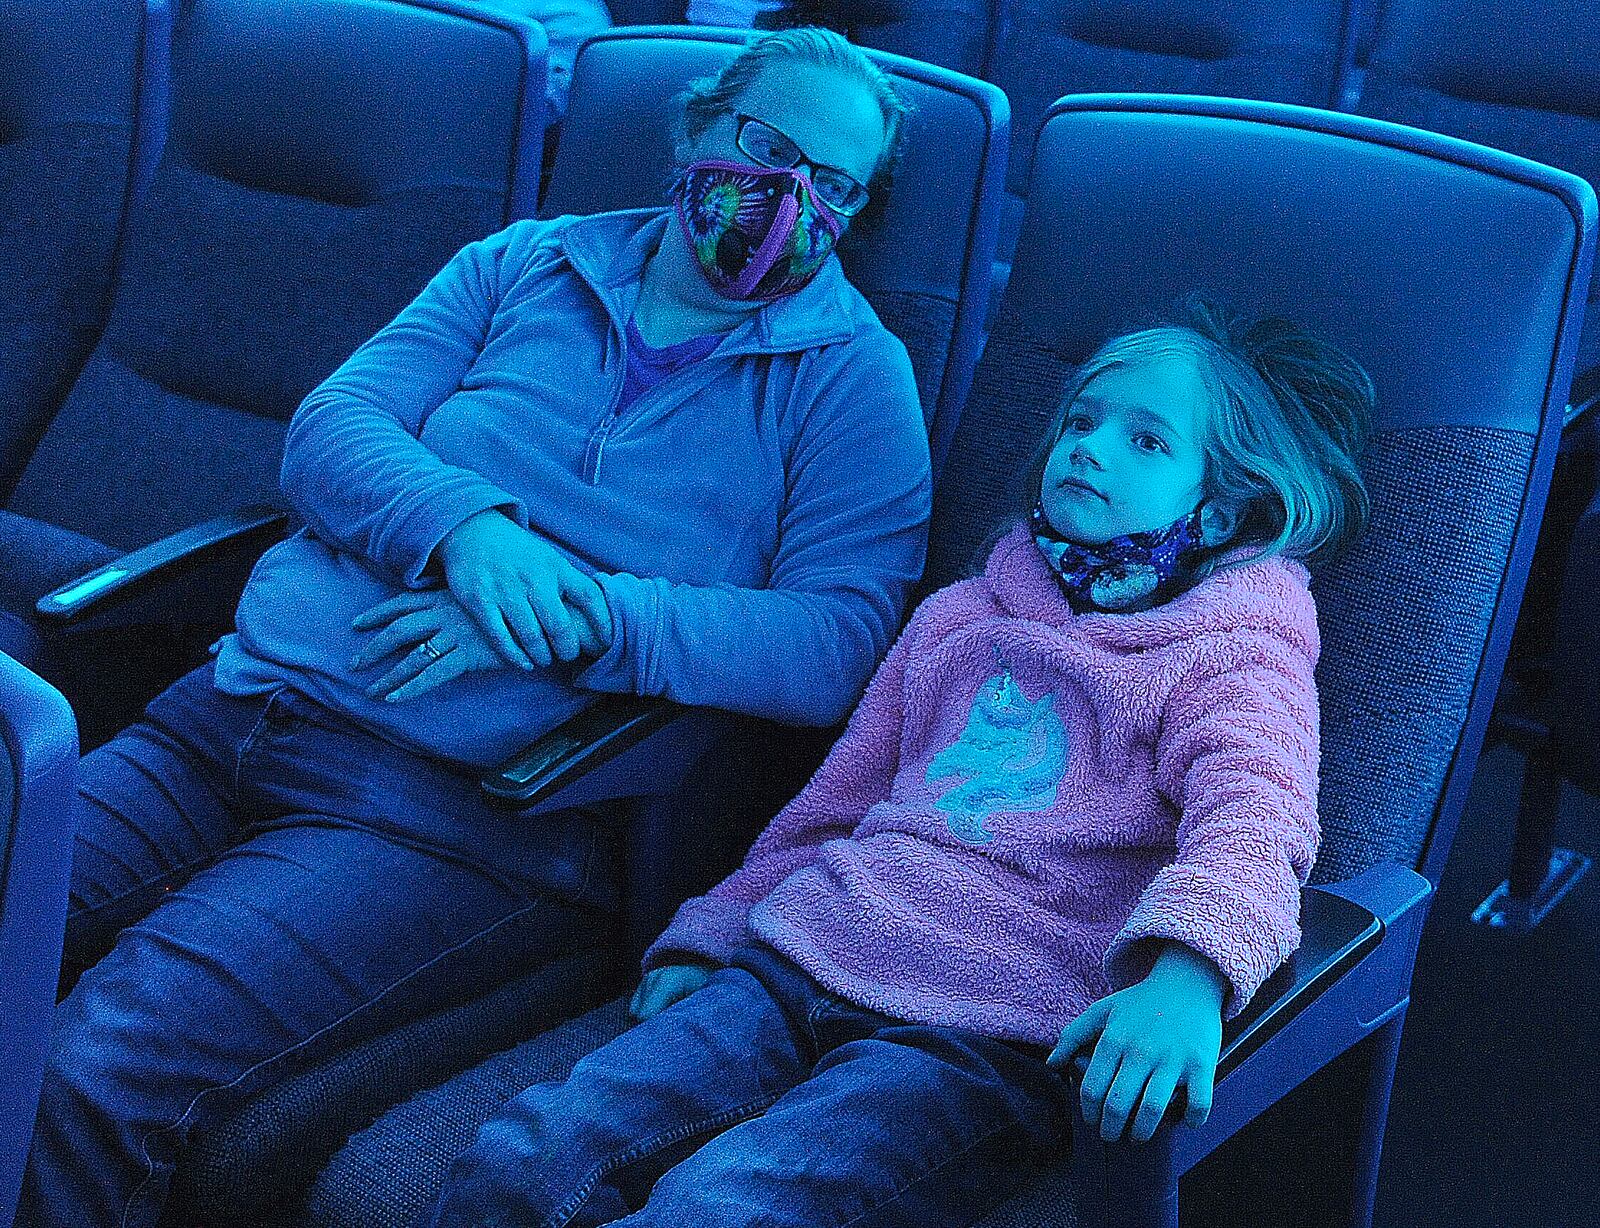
(1147, 1041)
(511, 599)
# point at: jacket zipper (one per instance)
(597, 441)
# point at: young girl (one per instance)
(1075, 806)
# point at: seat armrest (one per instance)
(1350, 975)
(578, 746)
(1578, 409)
(1336, 934)
(243, 533)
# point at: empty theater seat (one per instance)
(79, 82)
(1524, 78)
(325, 158)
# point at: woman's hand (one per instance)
(1150, 1039)
(662, 987)
(525, 597)
(434, 638)
(455, 644)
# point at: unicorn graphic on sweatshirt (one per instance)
(1011, 756)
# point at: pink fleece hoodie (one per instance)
(1025, 797)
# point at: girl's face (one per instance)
(1131, 457)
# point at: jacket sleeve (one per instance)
(858, 772)
(353, 464)
(852, 539)
(1238, 756)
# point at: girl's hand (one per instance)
(525, 597)
(662, 987)
(1148, 1040)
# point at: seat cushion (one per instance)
(254, 1167)
(388, 1175)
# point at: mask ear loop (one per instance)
(767, 254)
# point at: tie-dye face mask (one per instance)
(757, 233)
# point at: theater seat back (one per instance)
(325, 158)
(924, 267)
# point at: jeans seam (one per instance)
(948, 1160)
(89, 910)
(207, 858)
(247, 743)
(648, 1146)
(177, 1123)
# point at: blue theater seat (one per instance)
(923, 267)
(646, 12)
(40, 755)
(951, 33)
(324, 159)
(1456, 275)
(80, 82)
(1524, 78)
(926, 273)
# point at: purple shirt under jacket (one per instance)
(1026, 798)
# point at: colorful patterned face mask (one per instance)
(757, 233)
(1135, 571)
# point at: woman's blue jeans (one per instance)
(264, 884)
(763, 1100)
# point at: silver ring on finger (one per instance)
(430, 650)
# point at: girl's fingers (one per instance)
(1199, 1086)
(1126, 1088)
(1153, 1105)
(435, 673)
(387, 611)
(1078, 1034)
(404, 632)
(1103, 1063)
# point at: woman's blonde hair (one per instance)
(708, 98)
(1290, 418)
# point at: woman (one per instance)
(665, 452)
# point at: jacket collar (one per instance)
(609, 251)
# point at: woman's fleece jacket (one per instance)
(1026, 798)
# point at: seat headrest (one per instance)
(1136, 200)
(1540, 54)
(344, 100)
(70, 61)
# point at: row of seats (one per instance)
(1485, 406)
(1522, 78)
(1297, 212)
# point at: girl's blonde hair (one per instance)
(1290, 418)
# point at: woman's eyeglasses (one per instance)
(763, 143)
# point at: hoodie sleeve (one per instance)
(852, 538)
(858, 772)
(1238, 756)
(353, 464)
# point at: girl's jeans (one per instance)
(273, 885)
(762, 1099)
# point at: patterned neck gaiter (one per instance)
(757, 233)
(1133, 572)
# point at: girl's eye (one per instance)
(1149, 443)
(1079, 423)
